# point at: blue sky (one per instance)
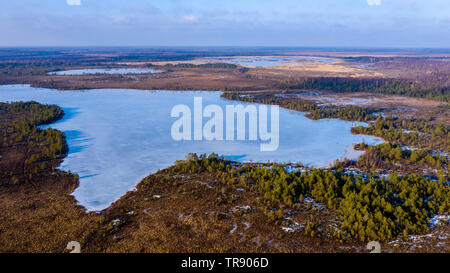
(351, 23)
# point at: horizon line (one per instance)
(229, 46)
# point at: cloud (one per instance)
(74, 2)
(189, 18)
(373, 2)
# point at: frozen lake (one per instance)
(266, 60)
(111, 71)
(117, 137)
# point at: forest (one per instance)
(20, 137)
(32, 112)
(370, 207)
(391, 156)
(379, 85)
(409, 131)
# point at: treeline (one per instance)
(314, 111)
(429, 73)
(386, 153)
(424, 133)
(409, 131)
(383, 86)
(370, 208)
(30, 65)
(366, 59)
(32, 148)
(33, 112)
(33, 68)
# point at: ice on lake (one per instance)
(261, 61)
(117, 137)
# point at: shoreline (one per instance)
(120, 218)
(325, 165)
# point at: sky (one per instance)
(324, 23)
